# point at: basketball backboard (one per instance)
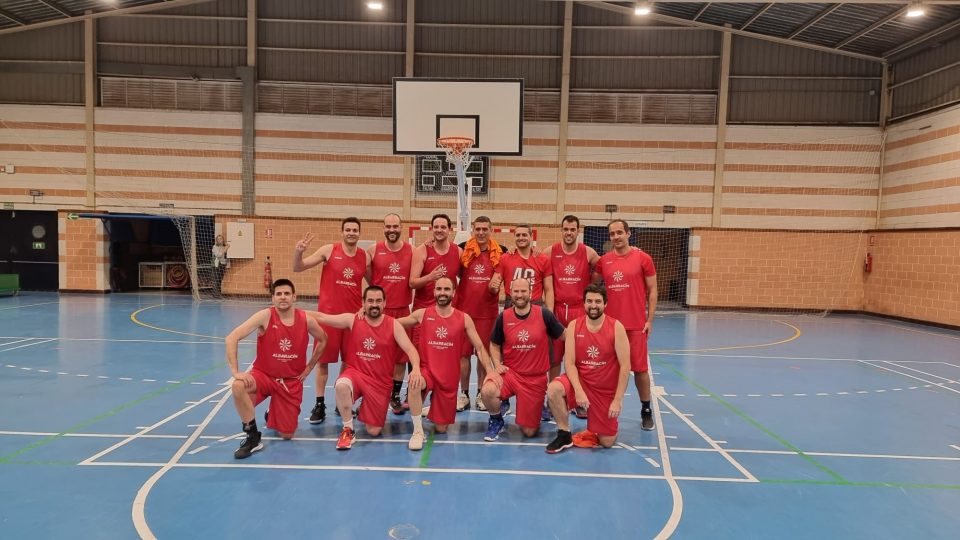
(489, 111)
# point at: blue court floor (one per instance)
(117, 423)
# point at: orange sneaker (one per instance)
(345, 441)
(586, 439)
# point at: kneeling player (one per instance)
(279, 369)
(597, 359)
(444, 331)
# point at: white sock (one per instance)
(417, 423)
(348, 423)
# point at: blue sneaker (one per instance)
(494, 428)
(546, 415)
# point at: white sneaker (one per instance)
(416, 441)
(480, 405)
(463, 402)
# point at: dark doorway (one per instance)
(29, 248)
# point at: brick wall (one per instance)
(776, 269)
(915, 275)
(84, 255)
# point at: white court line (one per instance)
(713, 444)
(953, 381)
(652, 462)
(819, 358)
(17, 341)
(112, 340)
(908, 329)
(933, 383)
(197, 450)
(27, 345)
(29, 305)
(144, 430)
(823, 454)
(138, 512)
(955, 447)
(364, 468)
(93, 435)
(677, 508)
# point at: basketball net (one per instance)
(458, 153)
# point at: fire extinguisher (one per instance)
(267, 274)
(868, 263)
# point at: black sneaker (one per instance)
(396, 404)
(250, 445)
(318, 414)
(563, 441)
(646, 421)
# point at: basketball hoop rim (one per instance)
(455, 144)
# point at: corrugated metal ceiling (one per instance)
(826, 24)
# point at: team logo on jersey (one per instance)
(394, 268)
(593, 351)
(441, 332)
(479, 269)
(442, 268)
(523, 336)
(369, 344)
(569, 269)
(285, 344)
(618, 276)
(347, 273)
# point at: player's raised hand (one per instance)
(303, 244)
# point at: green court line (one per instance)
(425, 458)
(45, 463)
(899, 485)
(732, 408)
(112, 412)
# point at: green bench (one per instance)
(9, 284)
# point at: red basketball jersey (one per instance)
(625, 281)
(282, 349)
(525, 342)
(441, 340)
(391, 270)
(571, 275)
(340, 281)
(450, 264)
(596, 355)
(473, 292)
(536, 268)
(372, 350)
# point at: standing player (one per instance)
(372, 342)
(279, 369)
(444, 331)
(524, 263)
(571, 262)
(432, 262)
(344, 266)
(597, 368)
(519, 349)
(476, 297)
(390, 268)
(631, 282)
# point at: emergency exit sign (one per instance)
(39, 245)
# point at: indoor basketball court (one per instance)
(791, 168)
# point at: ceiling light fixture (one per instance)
(375, 5)
(915, 9)
(643, 8)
